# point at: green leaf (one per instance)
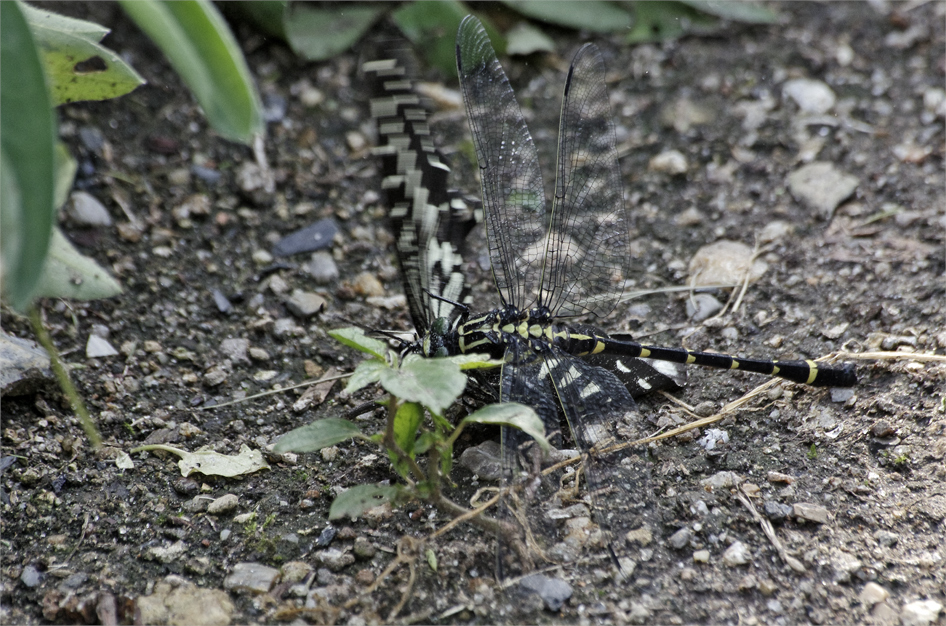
(318, 33)
(432, 26)
(655, 20)
(745, 12)
(357, 339)
(512, 414)
(197, 42)
(77, 66)
(360, 499)
(27, 138)
(526, 39)
(317, 435)
(268, 16)
(591, 15)
(68, 273)
(211, 463)
(367, 373)
(435, 383)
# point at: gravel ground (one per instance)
(822, 137)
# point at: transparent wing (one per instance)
(586, 260)
(513, 195)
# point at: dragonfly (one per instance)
(549, 265)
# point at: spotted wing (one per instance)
(600, 414)
(602, 417)
(430, 222)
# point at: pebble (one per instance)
(720, 480)
(886, 538)
(681, 538)
(166, 554)
(305, 304)
(669, 162)
(641, 535)
(920, 613)
(364, 549)
(85, 209)
(223, 505)
(821, 186)
(97, 347)
(251, 578)
(776, 511)
(235, 348)
(215, 376)
(322, 268)
(334, 559)
(262, 257)
(31, 577)
(326, 537)
(367, 284)
(811, 96)
(221, 301)
(778, 477)
(736, 554)
(294, 571)
(841, 394)
(701, 556)
(258, 354)
(206, 174)
(767, 587)
(309, 239)
(185, 604)
(725, 263)
(872, 593)
(810, 512)
(702, 306)
(483, 460)
(844, 564)
(249, 177)
(553, 591)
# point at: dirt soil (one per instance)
(854, 485)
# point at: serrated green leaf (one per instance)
(591, 15)
(366, 373)
(431, 25)
(512, 414)
(77, 66)
(357, 339)
(200, 46)
(745, 12)
(319, 32)
(68, 273)
(27, 140)
(434, 383)
(525, 38)
(317, 435)
(360, 499)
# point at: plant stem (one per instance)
(65, 383)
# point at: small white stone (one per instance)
(811, 96)
(920, 613)
(97, 347)
(736, 554)
(873, 593)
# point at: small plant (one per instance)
(420, 390)
(812, 452)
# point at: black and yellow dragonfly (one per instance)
(550, 265)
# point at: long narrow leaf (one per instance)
(202, 50)
(27, 135)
